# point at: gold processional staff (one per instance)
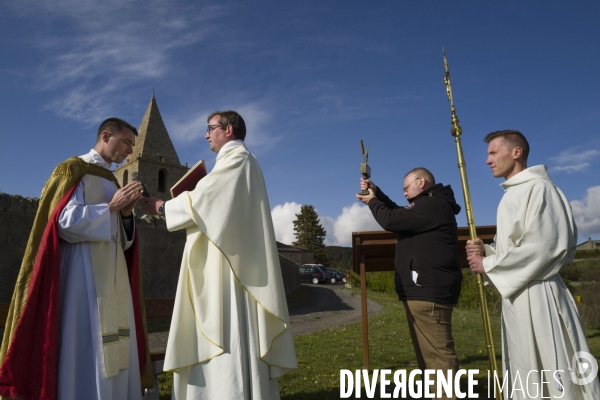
(456, 131)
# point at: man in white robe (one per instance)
(81, 368)
(96, 348)
(544, 348)
(230, 335)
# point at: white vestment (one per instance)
(230, 335)
(81, 369)
(541, 328)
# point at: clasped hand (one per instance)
(366, 184)
(126, 198)
(475, 251)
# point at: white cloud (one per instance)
(78, 105)
(104, 50)
(328, 224)
(569, 169)
(259, 135)
(283, 221)
(354, 218)
(190, 129)
(575, 159)
(575, 155)
(257, 119)
(587, 212)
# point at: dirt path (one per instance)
(312, 308)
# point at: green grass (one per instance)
(321, 355)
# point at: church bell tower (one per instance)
(154, 158)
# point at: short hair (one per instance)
(232, 118)
(114, 126)
(512, 138)
(422, 173)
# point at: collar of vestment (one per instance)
(228, 146)
(93, 157)
(531, 173)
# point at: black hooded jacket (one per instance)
(427, 243)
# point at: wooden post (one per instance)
(365, 320)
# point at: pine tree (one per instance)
(310, 233)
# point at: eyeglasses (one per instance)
(211, 128)
(406, 187)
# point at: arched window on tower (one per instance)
(162, 180)
(125, 177)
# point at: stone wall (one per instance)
(297, 256)
(16, 219)
(161, 251)
(290, 274)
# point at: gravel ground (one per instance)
(312, 308)
(327, 306)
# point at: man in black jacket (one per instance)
(428, 278)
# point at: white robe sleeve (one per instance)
(537, 241)
(178, 213)
(489, 250)
(84, 223)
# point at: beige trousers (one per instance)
(430, 326)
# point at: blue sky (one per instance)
(312, 78)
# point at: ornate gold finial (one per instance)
(456, 130)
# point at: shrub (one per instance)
(571, 273)
(469, 295)
(382, 282)
(355, 279)
(589, 270)
(589, 308)
(582, 254)
(376, 281)
(570, 286)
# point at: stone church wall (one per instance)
(16, 219)
(161, 251)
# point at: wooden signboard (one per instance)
(375, 251)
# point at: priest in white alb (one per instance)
(230, 335)
(75, 327)
(545, 353)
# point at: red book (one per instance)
(189, 181)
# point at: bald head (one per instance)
(424, 173)
(416, 181)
